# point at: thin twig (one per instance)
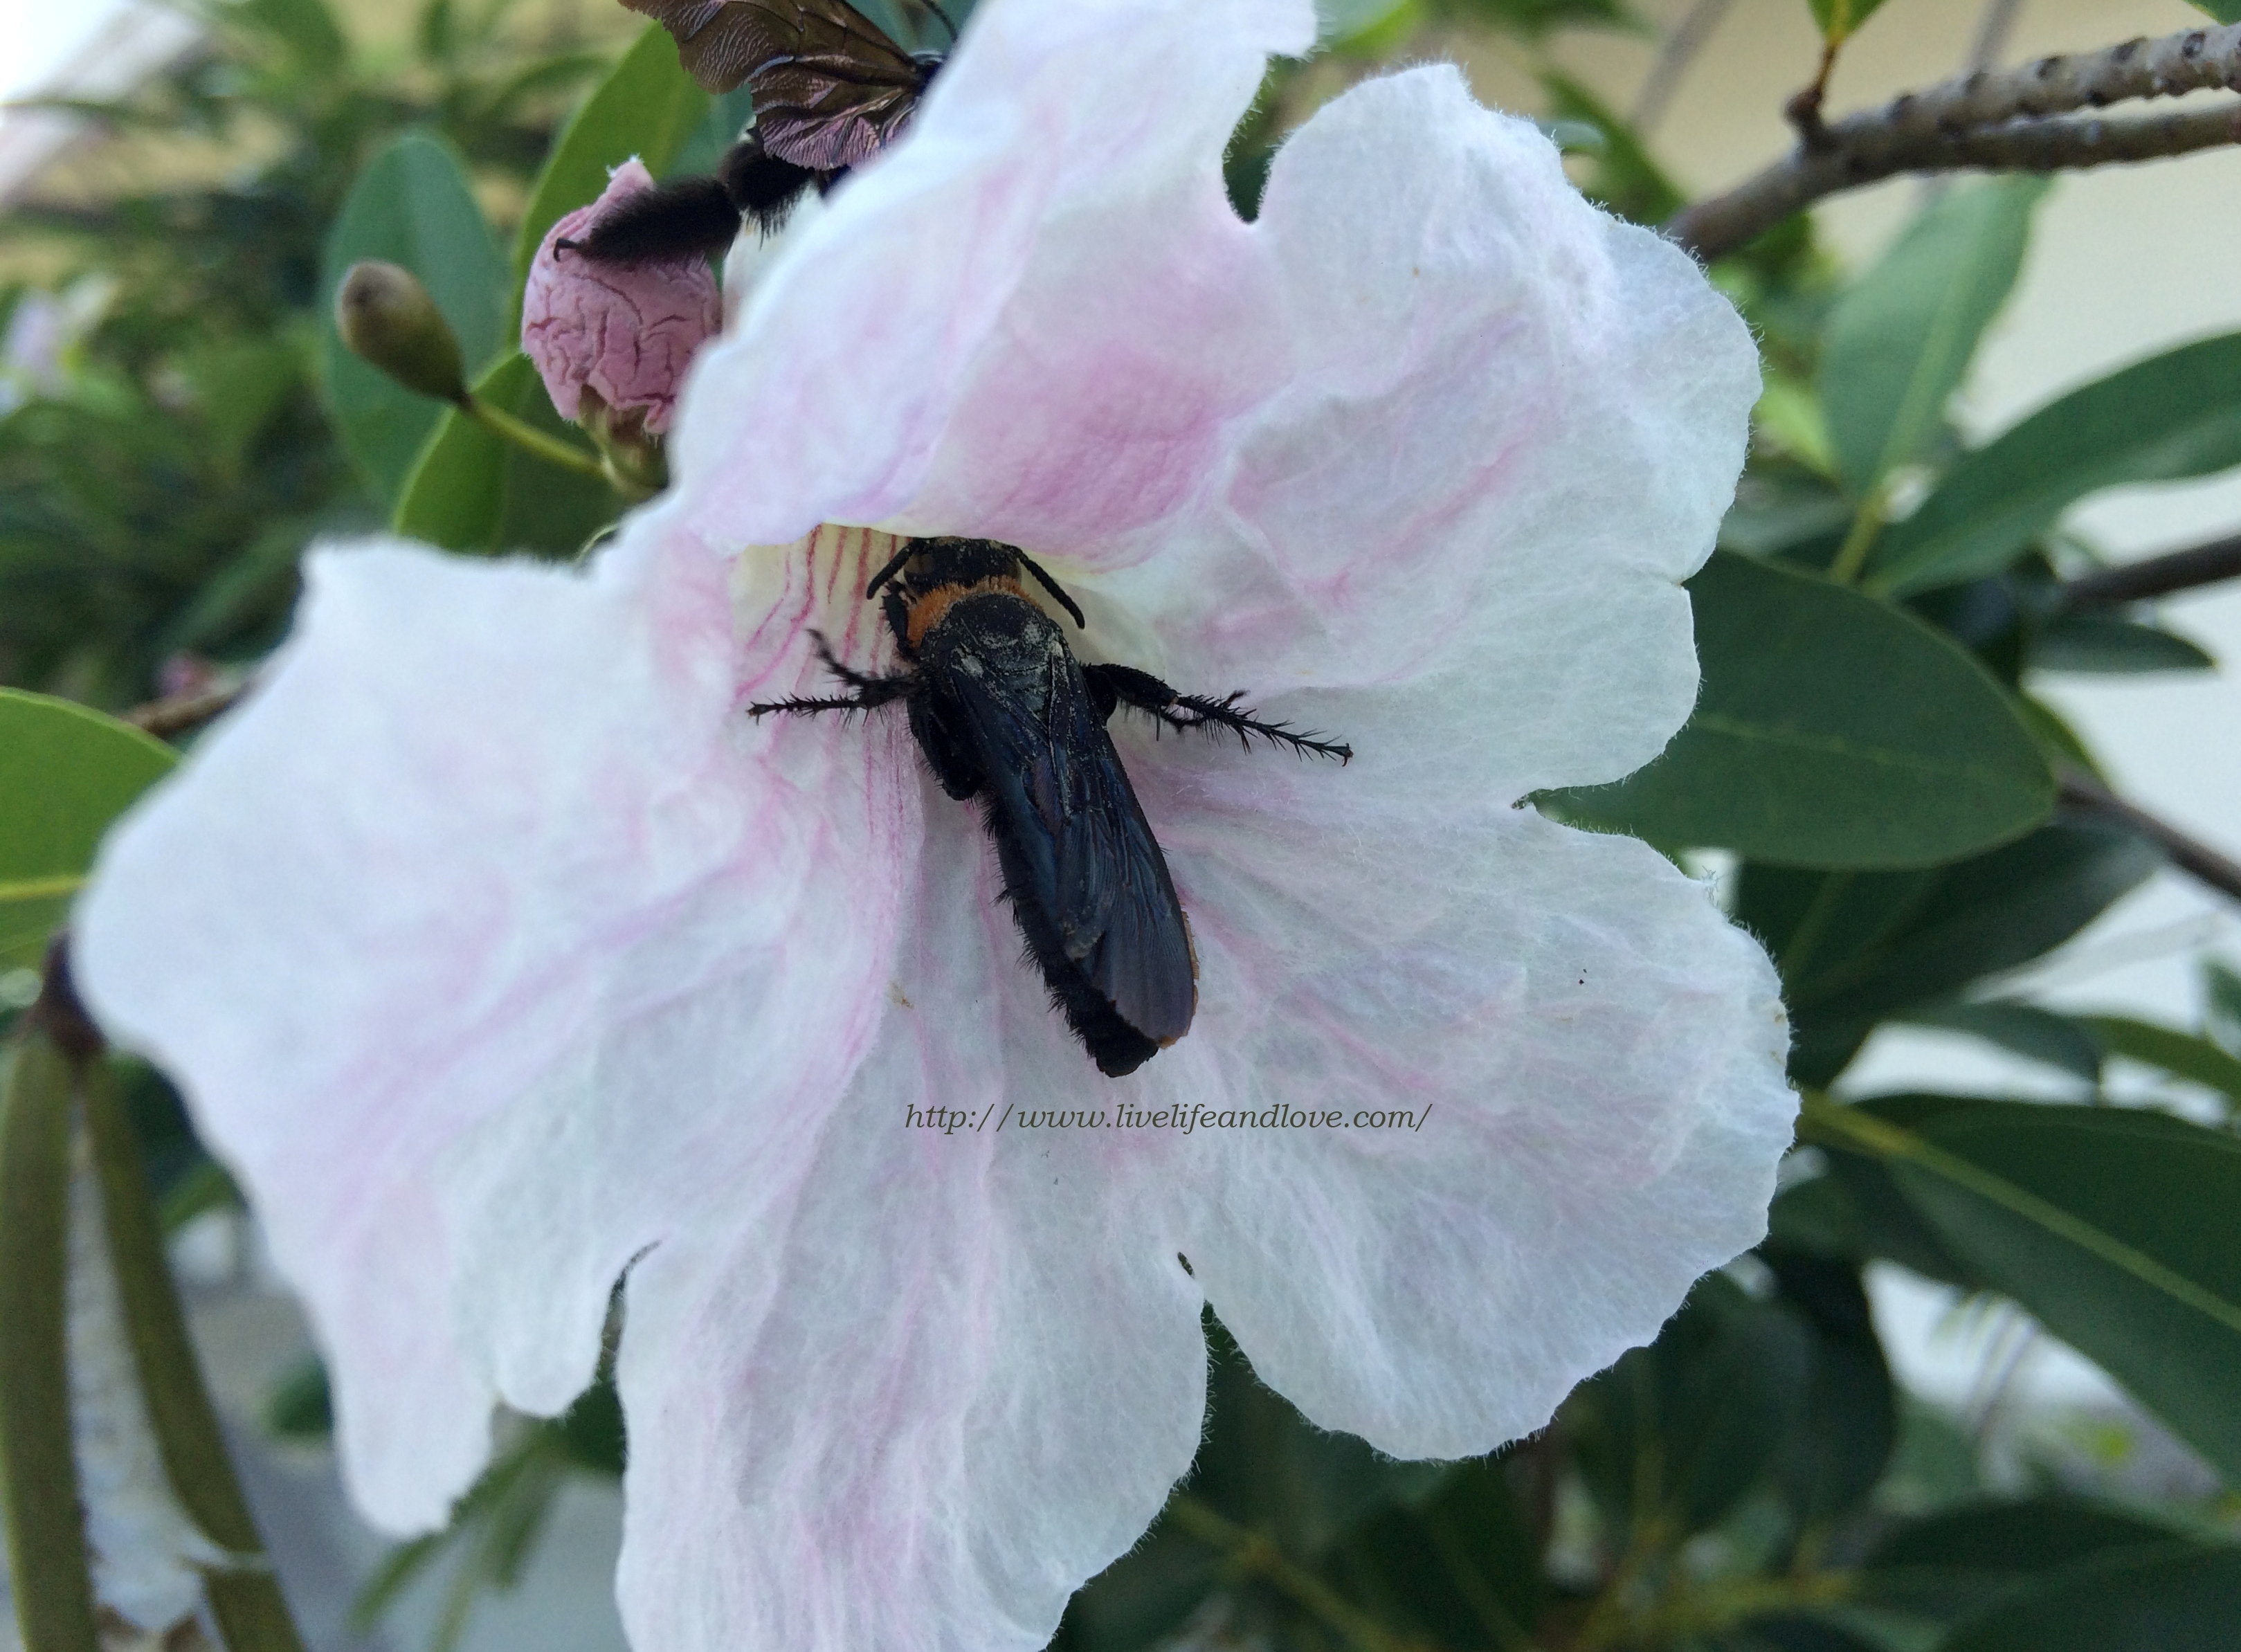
(1994, 25)
(177, 714)
(2204, 564)
(1674, 54)
(1996, 120)
(2190, 856)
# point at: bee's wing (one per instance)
(1092, 868)
(830, 88)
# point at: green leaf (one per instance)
(2173, 416)
(1841, 19)
(1831, 731)
(2114, 1225)
(1871, 945)
(473, 492)
(412, 205)
(2223, 10)
(1902, 337)
(2021, 1029)
(306, 28)
(65, 773)
(2221, 1021)
(647, 107)
(1952, 1562)
(1624, 176)
(2184, 1602)
(39, 1469)
(2110, 646)
(2182, 1055)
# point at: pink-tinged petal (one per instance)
(1592, 1053)
(1038, 304)
(625, 333)
(491, 942)
(912, 1394)
(1515, 426)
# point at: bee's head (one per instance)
(936, 563)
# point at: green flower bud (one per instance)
(386, 316)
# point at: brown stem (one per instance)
(2198, 859)
(1714, 228)
(1987, 120)
(2204, 564)
(177, 714)
(1803, 111)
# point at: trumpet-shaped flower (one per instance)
(503, 955)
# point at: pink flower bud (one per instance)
(625, 332)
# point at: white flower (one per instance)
(502, 955)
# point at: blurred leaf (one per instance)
(2182, 1055)
(1840, 19)
(593, 1431)
(471, 491)
(1902, 337)
(2173, 416)
(1458, 1566)
(1953, 1561)
(1680, 1432)
(1849, 1425)
(1143, 1595)
(2221, 1021)
(2110, 645)
(2161, 1603)
(1831, 731)
(647, 107)
(2113, 1226)
(2223, 10)
(411, 206)
(65, 773)
(300, 1406)
(306, 28)
(2021, 1029)
(1855, 947)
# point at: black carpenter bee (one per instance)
(1003, 711)
(831, 91)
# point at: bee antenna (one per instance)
(932, 5)
(895, 567)
(1054, 588)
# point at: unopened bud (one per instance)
(386, 316)
(622, 333)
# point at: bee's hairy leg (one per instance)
(871, 691)
(1126, 685)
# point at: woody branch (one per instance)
(2021, 119)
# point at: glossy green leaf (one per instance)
(2113, 1226)
(1831, 731)
(1849, 1425)
(2181, 1602)
(2173, 416)
(473, 492)
(2109, 645)
(65, 772)
(648, 106)
(1840, 19)
(1902, 337)
(412, 206)
(2182, 1055)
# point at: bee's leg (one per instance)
(950, 758)
(1114, 685)
(897, 611)
(872, 693)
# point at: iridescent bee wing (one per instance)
(831, 90)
